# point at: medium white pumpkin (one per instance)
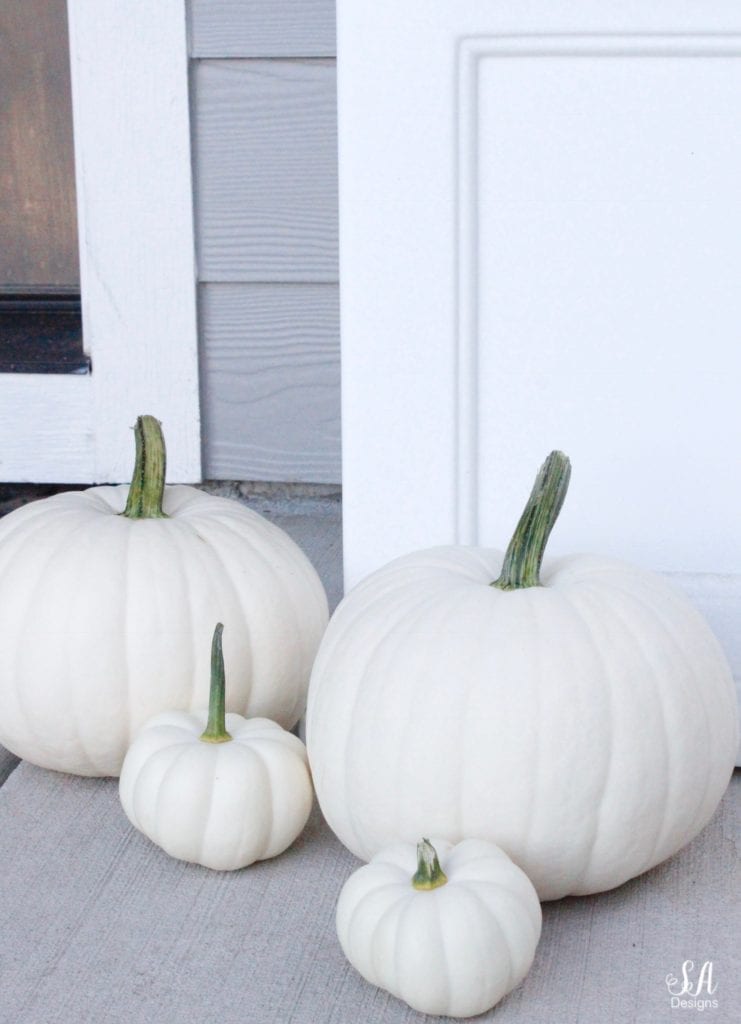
(217, 789)
(106, 614)
(583, 719)
(452, 938)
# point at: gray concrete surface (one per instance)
(101, 927)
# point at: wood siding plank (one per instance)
(266, 170)
(271, 374)
(262, 28)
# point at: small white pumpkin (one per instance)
(217, 789)
(452, 938)
(108, 598)
(584, 719)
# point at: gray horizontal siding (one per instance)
(264, 143)
(266, 170)
(271, 373)
(262, 28)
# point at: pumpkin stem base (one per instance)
(147, 489)
(524, 556)
(429, 874)
(215, 731)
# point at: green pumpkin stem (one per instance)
(148, 482)
(522, 561)
(429, 874)
(215, 731)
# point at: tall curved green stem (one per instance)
(429, 874)
(215, 731)
(522, 561)
(148, 482)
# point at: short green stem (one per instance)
(429, 874)
(215, 731)
(148, 482)
(522, 561)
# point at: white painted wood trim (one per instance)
(132, 144)
(135, 207)
(46, 433)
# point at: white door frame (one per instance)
(129, 63)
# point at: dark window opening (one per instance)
(41, 334)
(40, 320)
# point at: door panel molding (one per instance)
(472, 51)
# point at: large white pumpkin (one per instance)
(583, 719)
(106, 620)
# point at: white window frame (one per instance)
(129, 63)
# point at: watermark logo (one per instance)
(695, 989)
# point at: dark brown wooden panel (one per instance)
(38, 224)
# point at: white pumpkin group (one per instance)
(108, 599)
(579, 714)
(452, 938)
(582, 718)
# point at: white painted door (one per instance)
(135, 206)
(541, 248)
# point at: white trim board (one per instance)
(129, 66)
(46, 428)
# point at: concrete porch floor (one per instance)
(98, 926)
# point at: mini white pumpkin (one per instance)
(108, 598)
(584, 719)
(452, 938)
(217, 789)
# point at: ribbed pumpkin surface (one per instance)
(586, 726)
